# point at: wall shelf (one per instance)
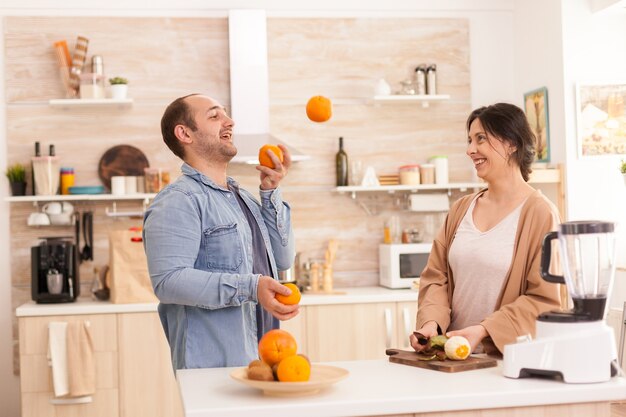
(462, 186)
(78, 197)
(91, 102)
(425, 99)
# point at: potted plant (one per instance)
(622, 169)
(119, 88)
(16, 174)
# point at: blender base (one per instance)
(579, 352)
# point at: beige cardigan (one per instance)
(524, 295)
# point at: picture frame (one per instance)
(601, 119)
(536, 109)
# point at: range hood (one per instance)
(249, 89)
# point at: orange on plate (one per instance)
(276, 345)
(319, 109)
(294, 369)
(293, 298)
(264, 158)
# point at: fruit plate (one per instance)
(322, 376)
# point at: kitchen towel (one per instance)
(81, 363)
(57, 357)
(70, 354)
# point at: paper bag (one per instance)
(129, 280)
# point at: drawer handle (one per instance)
(388, 327)
(407, 326)
(69, 401)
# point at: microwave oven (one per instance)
(400, 264)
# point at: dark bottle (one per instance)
(32, 168)
(341, 161)
(52, 152)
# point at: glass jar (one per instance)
(427, 172)
(91, 86)
(156, 179)
(67, 180)
(409, 174)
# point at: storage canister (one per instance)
(409, 174)
(67, 180)
(427, 172)
(441, 168)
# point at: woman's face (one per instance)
(490, 155)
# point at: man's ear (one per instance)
(181, 133)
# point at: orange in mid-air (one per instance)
(319, 109)
(293, 298)
(264, 158)
(276, 345)
(293, 369)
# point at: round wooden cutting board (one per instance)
(121, 160)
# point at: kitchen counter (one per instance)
(341, 296)
(378, 387)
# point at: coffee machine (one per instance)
(577, 346)
(54, 271)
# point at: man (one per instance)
(212, 248)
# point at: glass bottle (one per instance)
(37, 154)
(341, 161)
(431, 79)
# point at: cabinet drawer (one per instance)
(105, 404)
(34, 332)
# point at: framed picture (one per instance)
(601, 119)
(536, 108)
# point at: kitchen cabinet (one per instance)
(133, 368)
(357, 331)
(35, 377)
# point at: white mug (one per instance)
(52, 208)
(118, 185)
(67, 208)
(38, 219)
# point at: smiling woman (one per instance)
(482, 273)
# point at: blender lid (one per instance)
(586, 227)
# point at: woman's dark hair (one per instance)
(508, 122)
(177, 113)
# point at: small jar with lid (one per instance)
(67, 180)
(427, 172)
(409, 174)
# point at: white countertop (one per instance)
(342, 296)
(379, 387)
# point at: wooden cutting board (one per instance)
(405, 357)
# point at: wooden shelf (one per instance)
(425, 99)
(421, 187)
(78, 197)
(92, 102)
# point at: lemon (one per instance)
(457, 348)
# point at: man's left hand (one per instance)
(271, 178)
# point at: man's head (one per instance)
(197, 126)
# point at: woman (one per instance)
(482, 279)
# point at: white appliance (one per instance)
(401, 264)
(249, 86)
(577, 346)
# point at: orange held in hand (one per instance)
(319, 109)
(293, 298)
(294, 369)
(276, 345)
(264, 158)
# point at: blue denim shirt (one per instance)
(199, 249)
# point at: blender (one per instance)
(576, 346)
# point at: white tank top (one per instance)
(480, 261)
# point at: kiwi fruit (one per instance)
(260, 373)
(256, 362)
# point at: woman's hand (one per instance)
(473, 334)
(428, 330)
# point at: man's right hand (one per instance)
(266, 292)
(428, 330)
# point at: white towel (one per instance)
(57, 357)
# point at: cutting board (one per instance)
(405, 357)
(121, 160)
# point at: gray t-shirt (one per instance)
(260, 264)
